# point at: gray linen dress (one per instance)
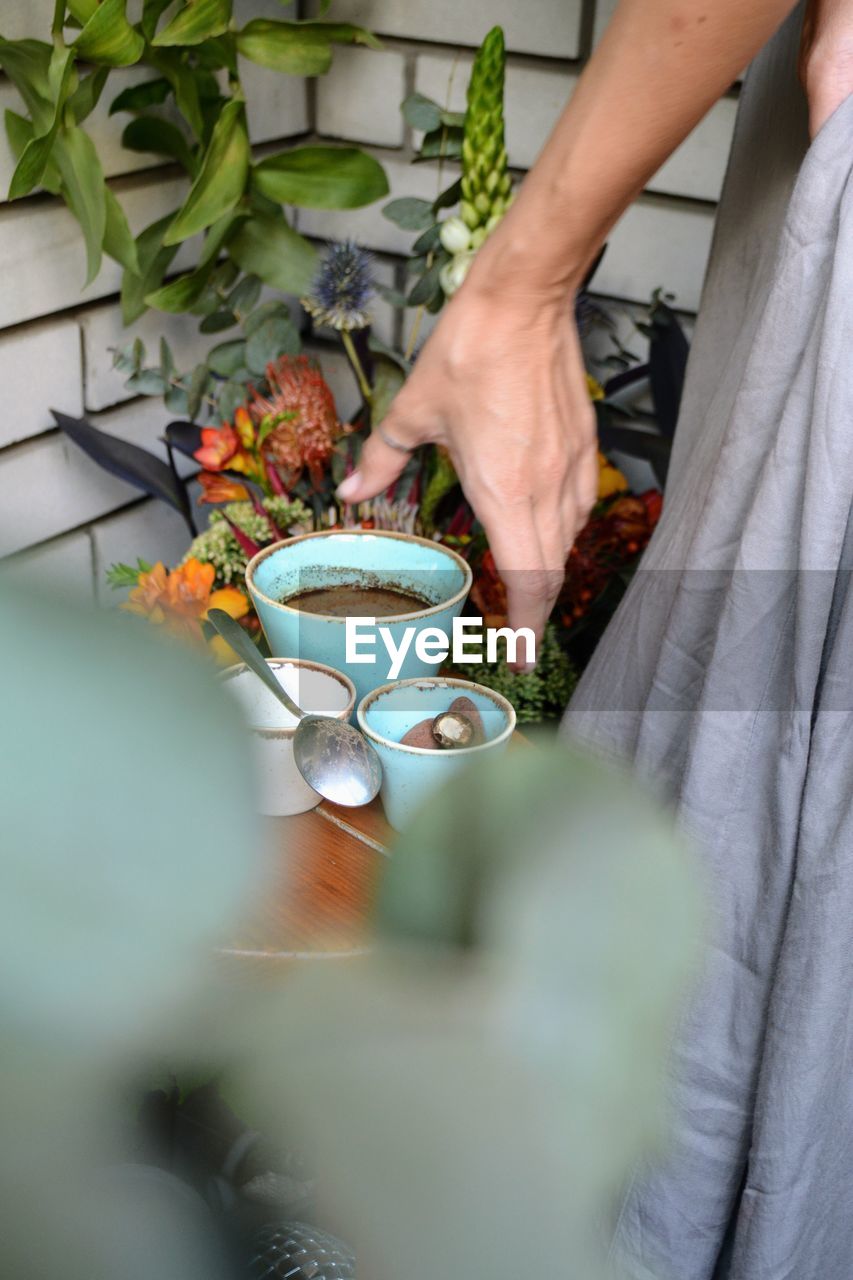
(727, 678)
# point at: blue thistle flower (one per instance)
(342, 288)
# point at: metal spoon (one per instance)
(332, 756)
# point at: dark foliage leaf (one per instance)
(128, 462)
(183, 436)
(141, 96)
(442, 143)
(450, 197)
(634, 443)
(668, 353)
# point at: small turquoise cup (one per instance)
(413, 775)
(356, 557)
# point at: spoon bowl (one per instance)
(334, 758)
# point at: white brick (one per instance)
(40, 369)
(535, 98)
(26, 19)
(657, 244)
(549, 27)
(698, 166)
(368, 226)
(277, 104)
(64, 565)
(50, 486)
(150, 531)
(360, 97)
(42, 256)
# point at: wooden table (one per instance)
(317, 900)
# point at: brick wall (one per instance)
(60, 515)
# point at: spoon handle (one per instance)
(234, 635)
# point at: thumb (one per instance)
(378, 468)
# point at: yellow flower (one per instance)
(610, 479)
(594, 387)
(236, 605)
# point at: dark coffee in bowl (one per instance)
(350, 601)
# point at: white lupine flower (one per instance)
(455, 236)
(452, 275)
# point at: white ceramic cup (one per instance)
(280, 787)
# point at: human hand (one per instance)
(501, 384)
(826, 58)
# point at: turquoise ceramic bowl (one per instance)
(412, 775)
(356, 557)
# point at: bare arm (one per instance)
(501, 381)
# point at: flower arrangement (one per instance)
(273, 448)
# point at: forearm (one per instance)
(659, 67)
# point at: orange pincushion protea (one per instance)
(297, 418)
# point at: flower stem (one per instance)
(358, 368)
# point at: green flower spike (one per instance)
(486, 182)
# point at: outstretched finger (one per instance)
(518, 558)
(383, 458)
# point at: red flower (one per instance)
(219, 445)
(297, 418)
(216, 487)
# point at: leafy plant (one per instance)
(234, 201)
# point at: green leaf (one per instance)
(276, 336)
(217, 321)
(124, 575)
(430, 240)
(448, 198)
(152, 135)
(298, 48)
(453, 119)
(152, 93)
(38, 150)
(84, 190)
(87, 95)
(148, 382)
(267, 246)
(185, 85)
(227, 358)
(109, 38)
(427, 287)
(245, 294)
(154, 259)
(118, 239)
(82, 10)
(445, 144)
(388, 378)
(183, 293)
(322, 178)
(221, 181)
(196, 390)
(151, 11)
(410, 213)
(27, 64)
(229, 397)
(197, 21)
(421, 112)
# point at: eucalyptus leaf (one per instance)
(427, 288)
(245, 294)
(430, 240)
(217, 321)
(196, 390)
(410, 213)
(108, 38)
(197, 21)
(322, 178)
(421, 112)
(147, 383)
(227, 358)
(84, 189)
(268, 247)
(275, 336)
(229, 397)
(448, 198)
(298, 48)
(222, 178)
(150, 134)
(442, 144)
